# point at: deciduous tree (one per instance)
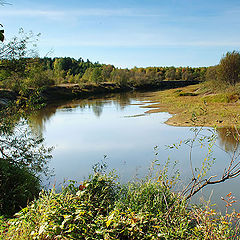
(229, 68)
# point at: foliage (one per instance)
(18, 47)
(187, 75)
(22, 155)
(70, 70)
(37, 77)
(102, 208)
(34, 72)
(171, 74)
(17, 56)
(229, 68)
(211, 225)
(227, 72)
(120, 76)
(18, 186)
(211, 73)
(96, 75)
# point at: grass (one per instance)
(199, 105)
(101, 208)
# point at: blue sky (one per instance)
(130, 33)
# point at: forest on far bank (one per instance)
(21, 73)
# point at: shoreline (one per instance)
(51, 94)
(190, 109)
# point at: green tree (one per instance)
(120, 76)
(22, 155)
(187, 75)
(87, 75)
(96, 75)
(15, 56)
(170, 74)
(211, 73)
(106, 72)
(36, 76)
(229, 68)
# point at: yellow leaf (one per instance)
(110, 219)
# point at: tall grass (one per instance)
(102, 208)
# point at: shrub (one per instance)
(37, 78)
(229, 68)
(17, 187)
(70, 214)
(211, 73)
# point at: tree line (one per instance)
(34, 72)
(37, 72)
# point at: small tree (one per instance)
(87, 75)
(170, 74)
(187, 76)
(229, 68)
(15, 55)
(211, 73)
(96, 75)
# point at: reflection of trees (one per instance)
(122, 100)
(97, 107)
(229, 138)
(38, 118)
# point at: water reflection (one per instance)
(39, 118)
(228, 138)
(97, 108)
(123, 100)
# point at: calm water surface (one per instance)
(116, 128)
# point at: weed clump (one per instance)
(102, 208)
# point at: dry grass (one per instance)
(199, 105)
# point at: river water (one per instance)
(116, 129)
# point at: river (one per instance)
(116, 129)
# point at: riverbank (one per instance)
(196, 106)
(75, 91)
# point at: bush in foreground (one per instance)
(17, 187)
(101, 208)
